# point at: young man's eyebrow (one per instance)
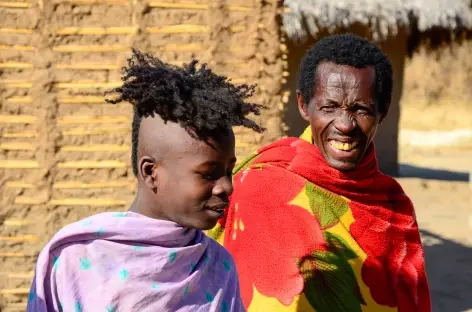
(212, 163)
(209, 164)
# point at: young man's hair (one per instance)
(351, 50)
(203, 103)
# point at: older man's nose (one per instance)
(345, 123)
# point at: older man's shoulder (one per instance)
(279, 153)
(391, 185)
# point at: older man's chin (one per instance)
(343, 166)
(342, 163)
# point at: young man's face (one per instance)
(192, 182)
(198, 183)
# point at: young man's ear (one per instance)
(148, 172)
(302, 107)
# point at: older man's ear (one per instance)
(384, 114)
(302, 107)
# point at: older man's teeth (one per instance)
(343, 146)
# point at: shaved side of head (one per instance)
(157, 139)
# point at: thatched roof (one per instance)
(382, 17)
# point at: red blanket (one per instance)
(307, 237)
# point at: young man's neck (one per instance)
(143, 206)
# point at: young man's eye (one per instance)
(211, 176)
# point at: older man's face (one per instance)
(343, 113)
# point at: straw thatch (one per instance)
(382, 17)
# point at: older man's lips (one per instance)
(343, 146)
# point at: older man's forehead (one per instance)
(334, 75)
(334, 79)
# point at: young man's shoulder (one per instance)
(220, 252)
(78, 233)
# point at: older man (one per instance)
(314, 225)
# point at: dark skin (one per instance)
(183, 179)
(343, 113)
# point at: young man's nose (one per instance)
(224, 186)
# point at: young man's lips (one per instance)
(218, 207)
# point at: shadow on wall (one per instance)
(449, 269)
(410, 171)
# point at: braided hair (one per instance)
(203, 103)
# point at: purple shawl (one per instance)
(127, 262)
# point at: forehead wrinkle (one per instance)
(352, 82)
(329, 78)
(335, 80)
(318, 80)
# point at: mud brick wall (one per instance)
(64, 153)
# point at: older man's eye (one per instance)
(363, 111)
(328, 108)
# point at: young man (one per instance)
(155, 257)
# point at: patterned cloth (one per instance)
(127, 262)
(306, 237)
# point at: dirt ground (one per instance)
(437, 96)
(437, 180)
